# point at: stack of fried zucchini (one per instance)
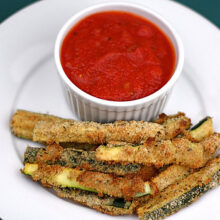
(149, 168)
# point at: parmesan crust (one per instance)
(180, 151)
(96, 133)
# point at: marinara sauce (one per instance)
(117, 56)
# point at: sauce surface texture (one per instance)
(117, 56)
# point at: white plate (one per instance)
(28, 80)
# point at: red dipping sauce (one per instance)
(117, 56)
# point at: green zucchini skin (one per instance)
(72, 158)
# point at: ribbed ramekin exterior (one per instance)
(87, 111)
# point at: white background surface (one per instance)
(28, 80)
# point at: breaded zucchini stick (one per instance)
(183, 193)
(57, 176)
(96, 133)
(179, 151)
(23, 123)
(111, 205)
(70, 157)
(106, 204)
(129, 186)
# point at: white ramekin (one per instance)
(90, 108)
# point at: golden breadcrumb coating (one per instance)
(179, 151)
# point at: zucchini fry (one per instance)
(72, 158)
(106, 204)
(95, 133)
(179, 151)
(183, 193)
(57, 176)
(23, 123)
(129, 186)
